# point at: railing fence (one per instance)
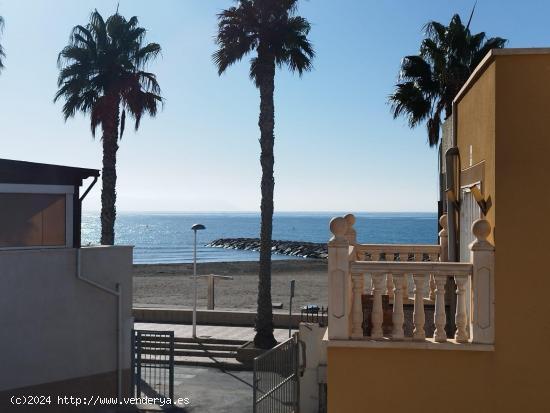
(153, 364)
(276, 379)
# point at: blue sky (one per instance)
(337, 146)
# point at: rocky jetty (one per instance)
(294, 248)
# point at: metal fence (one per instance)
(318, 315)
(276, 381)
(153, 364)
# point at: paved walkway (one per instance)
(209, 390)
(218, 332)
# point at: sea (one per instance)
(168, 238)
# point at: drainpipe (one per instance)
(117, 292)
(452, 200)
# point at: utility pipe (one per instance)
(452, 195)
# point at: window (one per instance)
(33, 220)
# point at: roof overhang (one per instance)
(22, 172)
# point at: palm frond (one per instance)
(429, 82)
(102, 65)
(271, 28)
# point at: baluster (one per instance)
(374, 256)
(461, 318)
(398, 316)
(357, 306)
(405, 287)
(432, 287)
(443, 239)
(418, 315)
(434, 257)
(440, 318)
(377, 315)
(389, 278)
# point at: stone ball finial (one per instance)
(338, 226)
(350, 220)
(481, 229)
(443, 221)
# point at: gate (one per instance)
(153, 364)
(276, 379)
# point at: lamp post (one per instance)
(195, 228)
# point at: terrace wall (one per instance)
(503, 115)
(59, 334)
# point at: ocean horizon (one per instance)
(166, 237)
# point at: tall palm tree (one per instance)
(2, 53)
(102, 72)
(272, 30)
(429, 81)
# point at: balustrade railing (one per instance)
(391, 270)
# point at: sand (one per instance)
(172, 285)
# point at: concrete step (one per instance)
(220, 363)
(194, 353)
(209, 341)
(206, 347)
(202, 353)
(191, 346)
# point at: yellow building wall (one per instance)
(505, 116)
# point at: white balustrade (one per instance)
(398, 317)
(358, 280)
(440, 318)
(348, 266)
(419, 317)
(432, 288)
(389, 278)
(377, 316)
(461, 319)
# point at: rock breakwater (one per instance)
(293, 248)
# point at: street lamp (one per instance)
(195, 228)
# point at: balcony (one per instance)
(393, 296)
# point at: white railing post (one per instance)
(358, 280)
(339, 282)
(377, 315)
(351, 234)
(461, 319)
(482, 257)
(389, 277)
(443, 251)
(443, 240)
(440, 319)
(398, 317)
(418, 316)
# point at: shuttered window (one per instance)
(32, 220)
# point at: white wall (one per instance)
(311, 334)
(56, 327)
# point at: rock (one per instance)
(292, 248)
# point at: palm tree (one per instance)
(2, 53)
(429, 81)
(272, 29)
(101, 74)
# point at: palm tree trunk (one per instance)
(108, 176)
(264, 318)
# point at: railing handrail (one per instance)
(396, 248)
(413, 267)
(271, 350)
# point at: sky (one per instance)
(337, 147)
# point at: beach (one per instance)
(172, 284)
